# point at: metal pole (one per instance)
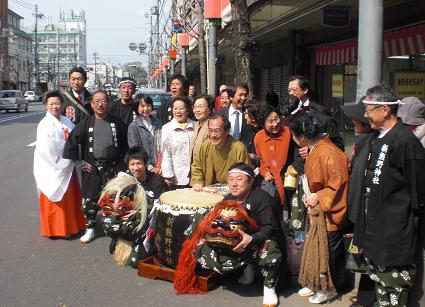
(183, 60)
(369, 65)
(212, 55)
(172, 66)
(95, 78)
(165, 78)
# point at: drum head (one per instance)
(187, 199)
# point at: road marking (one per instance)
(2, 120)
(32, 144)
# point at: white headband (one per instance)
(127, 81)
(236, 170)
(382, 103)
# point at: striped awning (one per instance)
(344, 52)
(407, 41)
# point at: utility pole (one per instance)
(4, 45)
(95, 78)
(36, 59)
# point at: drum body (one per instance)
(173, 216)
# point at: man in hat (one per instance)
(355, 111)
(392, 198)
(412, 114)
(123, 106)
(77, 79)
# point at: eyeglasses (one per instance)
(367, 112)
(293, 89)
(199, 107)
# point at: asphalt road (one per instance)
(36, 271)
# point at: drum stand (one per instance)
(152, 269)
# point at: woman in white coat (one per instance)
(55, 177)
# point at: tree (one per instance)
(241, 42)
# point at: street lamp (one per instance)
(140, 48)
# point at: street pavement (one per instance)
(37, 271)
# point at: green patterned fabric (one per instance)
(224, 261)
(298, 210)
(392, 284)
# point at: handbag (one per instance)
(355, 261)
(295, 253)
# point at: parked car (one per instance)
(158, 95)
(13, 100)
(32, 96)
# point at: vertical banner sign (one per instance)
(407, 84)
(337, 86)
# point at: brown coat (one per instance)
(327, 171)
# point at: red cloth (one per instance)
(272, 153)
(62, 218)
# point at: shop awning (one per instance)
(407, 41)
(338, 53)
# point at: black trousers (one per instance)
(340, 277)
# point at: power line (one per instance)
(24, 4)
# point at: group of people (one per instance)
(196, 141)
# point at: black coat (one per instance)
(78, 147)
(71, 111)
(387, 233)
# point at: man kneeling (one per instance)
(239, 232)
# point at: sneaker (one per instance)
(305, 292)
(322, 297)
(88, 236)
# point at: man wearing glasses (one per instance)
(101, 139)
(217, 154)
(386, 217)
(300, 87)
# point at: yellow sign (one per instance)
(407, 84)
(337, 86)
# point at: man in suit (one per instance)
(300, 87)
(238, 96)
(77, 79)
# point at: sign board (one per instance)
(408, 84)
(337, 86)
(336, 17)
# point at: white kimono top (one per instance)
(52, 173)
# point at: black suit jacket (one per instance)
(245, 129)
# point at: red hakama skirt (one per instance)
(62, 218)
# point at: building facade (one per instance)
(60, 47)
(20, 66)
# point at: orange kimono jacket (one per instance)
(327, 171)
(272, 154)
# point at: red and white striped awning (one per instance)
(407, 41)
(338, 53)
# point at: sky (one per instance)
(111, 25)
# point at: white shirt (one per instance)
(301, 104)
(81, 96)
(232, 118)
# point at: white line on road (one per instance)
(32, 144)
(2, 120)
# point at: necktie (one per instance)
(79, 98)
(236, 132)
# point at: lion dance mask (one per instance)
(219, 229)
(124, 207)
